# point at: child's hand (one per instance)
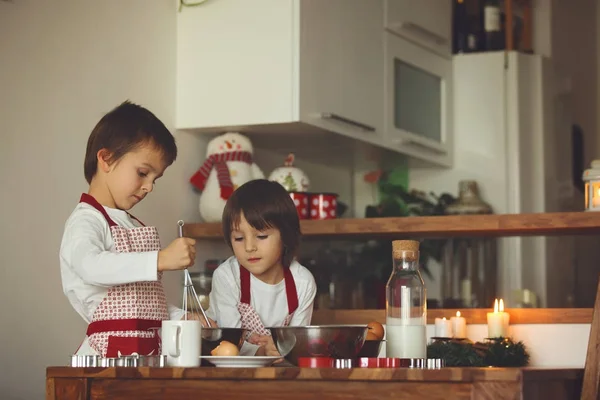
(254, 337)
(180, 254)
(196, 316)
(267, 346)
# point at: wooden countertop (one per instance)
(276, 383)
(322, 374)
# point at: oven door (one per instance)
(418, 100)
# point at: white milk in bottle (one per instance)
(406, 304)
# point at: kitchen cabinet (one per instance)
(273, 62)
(341, 76)
(287, 67)
(426, 22)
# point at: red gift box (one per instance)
(323, 205)
(301, 202)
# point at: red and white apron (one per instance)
(250, 318)
(127, 319)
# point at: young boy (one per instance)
(262, 285)
(111, 263)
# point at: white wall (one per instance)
(64, 64)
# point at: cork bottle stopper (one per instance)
(407, 249)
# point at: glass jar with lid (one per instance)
(406, 304)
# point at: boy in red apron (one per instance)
(261, 285)
(111, 263)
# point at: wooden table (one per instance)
(304, 383)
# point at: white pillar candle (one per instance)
(443, 328)
(498, 320)
(459, 326)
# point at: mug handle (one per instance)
(173, 344)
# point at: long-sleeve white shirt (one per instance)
(269, 301)
(89, 264)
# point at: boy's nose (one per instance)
(147, 187)
(250, 246)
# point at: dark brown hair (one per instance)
(265, 204)
(124, 129)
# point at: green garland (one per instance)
(497, 352)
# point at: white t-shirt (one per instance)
(269, 301)
(89, 265)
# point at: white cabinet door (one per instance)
(427, 22)
(235, 64)
(320, 77)
(341, 66)
(362, 62)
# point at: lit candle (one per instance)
(459, 326)
(498, 321)
(443, 328)
(596, 196)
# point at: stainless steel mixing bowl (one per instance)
(336, 341)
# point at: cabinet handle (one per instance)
(418, 30)
(429, 147)
(348, 121)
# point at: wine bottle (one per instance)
(492, 25)
(460, 27)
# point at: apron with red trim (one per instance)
(250, 318)
(127, 319)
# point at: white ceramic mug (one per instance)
(181, 342)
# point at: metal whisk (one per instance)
(188, 289)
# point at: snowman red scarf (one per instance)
(219, 161)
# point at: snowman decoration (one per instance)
(228, 165)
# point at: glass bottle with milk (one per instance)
(406, 306)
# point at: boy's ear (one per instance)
(104, 158)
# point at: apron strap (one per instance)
(245, 285)
(86, 198)
(290, 288)
(141, 223)
(290, 291)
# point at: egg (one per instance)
(225, 349)
(372, 336)
(376, 331)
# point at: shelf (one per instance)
(542, 224)
(472, 315)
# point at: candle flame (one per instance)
(444, 318)
(498, 306)
(458, 313)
